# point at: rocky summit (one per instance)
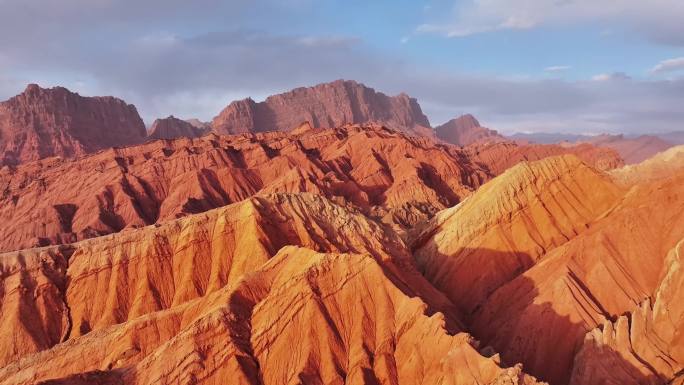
(325, 237)
(172, 127)
(40, 123)
(325, 105)
(466, 130)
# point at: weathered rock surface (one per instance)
(126, 275)
(466, 130)
(325, 105)
(40, 123)
(502, 230)
(577, 252)
(661, 165)
(390, 176)
(386, 174)
(282, 257)
(500, 156)
(172, 127)
(170, 308)
(632, 150)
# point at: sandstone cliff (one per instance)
(632, 150)
(395, 178)
(171, 308)
(325, 105)
(466, 130)
(40, 123)
(546, 261)
(356, 254)
(172, 127)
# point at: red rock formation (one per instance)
(632, 150)
(386, 174)
(204, 126)
(282, 257)
(575, 251)
(389, 176)
(470, 250)
(187, 312)
(171, 128)
(466, 130)
(661, 165)
(40, 123)
(500, 156)
(325, 105)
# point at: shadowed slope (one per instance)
(662, 165)
(384, 173)
(40, 123)
(120, 277)
(389, 176)
(350, 321)
(325, 105)
(528, 210)
(592, 251)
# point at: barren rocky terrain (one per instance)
(330, 250)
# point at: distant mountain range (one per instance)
(287, 243)
(40, 123)
(633, 149)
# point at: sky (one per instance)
(573, 66)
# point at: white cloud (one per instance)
(557, 68)
(610, 77)
(669, 65)
(658, 19)
(166, 70)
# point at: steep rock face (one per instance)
(172, 127)
(40, 123)
(466, 130)
(386, 174)
(390, 176)
(544, 262)
(646, 344)
(359, 318)
(352, 295)
(596, 276)
(500, 156)
(34, 314)
(472, 249)
(325, 105)
(124, 276)
(632, 150)
(661, 165)
(328, 303)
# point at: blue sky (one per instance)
(585, 66)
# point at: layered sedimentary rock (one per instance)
(204, 126)
(325, 105)
(172, 127)
(662, 165)
(388, 175)
(470, 250)
(500, 156)
(190, 314)
(34, 314)
(577, 252)
(466, 130)
(282, 257)
(40, 123)
(632, 150)
(384, 173)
